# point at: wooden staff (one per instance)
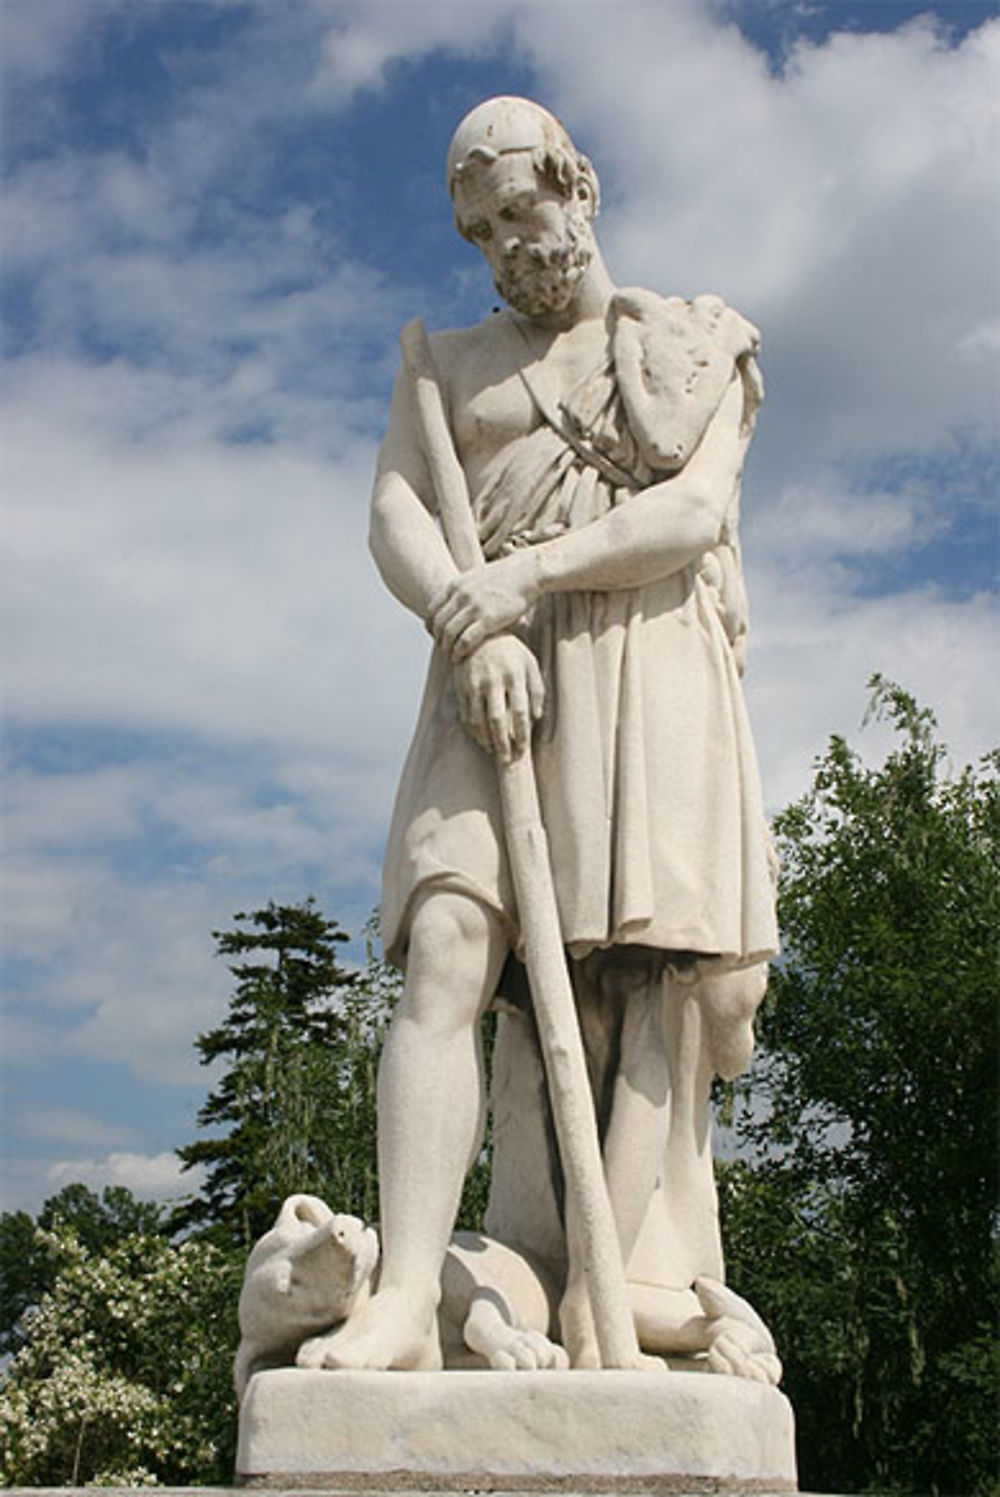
(527, 852)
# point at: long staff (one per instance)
(595, 1234)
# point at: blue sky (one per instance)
(219, 215)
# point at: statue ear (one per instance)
(587, 189)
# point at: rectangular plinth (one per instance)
(516, 1431)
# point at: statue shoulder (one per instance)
(704, 319)
(674, 360)
(457, 350)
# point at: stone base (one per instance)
(682, 1432)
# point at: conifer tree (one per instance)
(297, 1098)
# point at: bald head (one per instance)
(507, 126)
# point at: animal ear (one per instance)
(289, 1213)
(310, 1210)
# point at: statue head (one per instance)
(526, 198)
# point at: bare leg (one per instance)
(633, 1154)
(431, 1105)
(690, 1243)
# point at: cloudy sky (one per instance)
(219, 215)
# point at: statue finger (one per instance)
(476, 721)
(440, 619)
(520, 714)
(451, 631)
(520, 729)
(446, 604)
(497, 718)
(535, 686)
(469, 638)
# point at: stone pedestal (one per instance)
(683, 1432)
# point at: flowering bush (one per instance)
(124, 1377)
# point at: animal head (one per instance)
(309, 1272)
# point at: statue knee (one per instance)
(456, 951)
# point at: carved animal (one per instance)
(315, 1267)
(308, 1273)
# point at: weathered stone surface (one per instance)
(580, 833)
(517, 1431)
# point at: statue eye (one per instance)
(480, 232)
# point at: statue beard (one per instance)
(542, 277)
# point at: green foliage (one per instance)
(27, 1268)
(124, 1341)
(865, 1227)
(124, 1375)
(297, 1099)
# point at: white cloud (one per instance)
(815, 643)
(845, 205)
(39, 39)
(64, 1125)
(182, 585)
(364, 39)
(122, 965)
(156, 1176)
(208, 602)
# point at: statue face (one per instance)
(537, 242)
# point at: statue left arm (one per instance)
(654, 534)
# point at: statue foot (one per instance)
(739, 1343)
(385, 1333)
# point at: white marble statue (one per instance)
(313, 1270)
(601, 435)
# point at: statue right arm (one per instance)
(499, 686)
(405, 539)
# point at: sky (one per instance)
(219, 214)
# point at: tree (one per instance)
(28, 1268)
(865, 1225)
(298, 1098)
(124, 1374)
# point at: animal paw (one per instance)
(739, 1343)
(526, 1351)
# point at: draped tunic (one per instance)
(647, 777)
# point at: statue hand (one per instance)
(484, 602)
(500, 695)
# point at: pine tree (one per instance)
(297, 1098)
